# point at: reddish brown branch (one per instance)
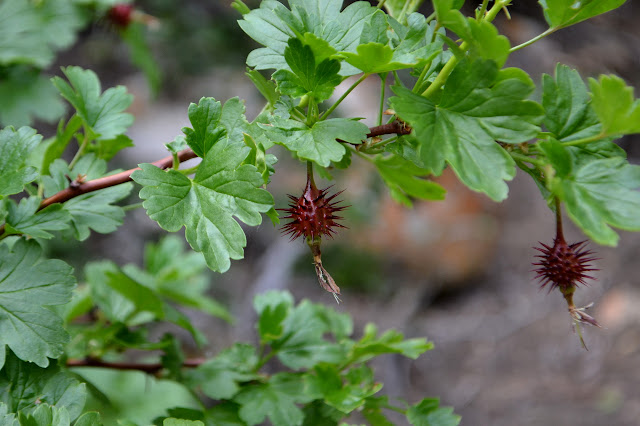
(77, 187)
(397, 127)
(146, 368)
(107, 181)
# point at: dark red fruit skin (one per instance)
(564, 266)
(121, 14)
(313, 214)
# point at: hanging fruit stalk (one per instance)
(564, 266)
(313, 215)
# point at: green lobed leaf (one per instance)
(205, 206)
(45, 415)
(91, 211)
(178, 275)
(317, 143)
(275, 399)
(306, 77)
(327, 383)
(449, 16)
(428, 413)
(563, 13)
(177, 144)
(391, 341)
(220, 377)
(33, 332)
(27, 29)
(486, 43)
(411, 45)
(614, 104)
(279, 325)
(602, 193)
(23, 219)
(24, 387)
(27, 95)
(404, 179)
(15, 146)
(212, 123)
(130, 296)
(479, 106)
(115, 306)
(305, 346)
(272, 25)
(568, 112)
(101, 112)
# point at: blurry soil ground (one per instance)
(457, 272)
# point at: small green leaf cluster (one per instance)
(30, 37)
(327, 377)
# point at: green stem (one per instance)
(381, 3)
(131, 206)
(444, 73)
(450, 65)
(431, 18)
(383, 86)
(526, 159)
(421, 77)
(533, 40)
(483, 8)
(361, 155)
(189, 171)
(176, 161)
(299, 114)
(81, 150)
(264, 360)
(585, 140)
(344, 95)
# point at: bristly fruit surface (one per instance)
(562, 265)
(313, 214)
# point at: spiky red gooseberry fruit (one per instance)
(563, 265)
(313, 214)
(121, 14)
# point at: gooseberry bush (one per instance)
(446, 100)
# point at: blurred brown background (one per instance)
(457, 272)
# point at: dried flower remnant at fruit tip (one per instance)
(313, 215)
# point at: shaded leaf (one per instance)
(91, 211)
(614, 104)
(405, 180)
(15, 147)
(101, 112)
(563, 13)
(33, 332)
(23, 219)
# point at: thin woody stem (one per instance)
(146, 368)
(167, 162)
